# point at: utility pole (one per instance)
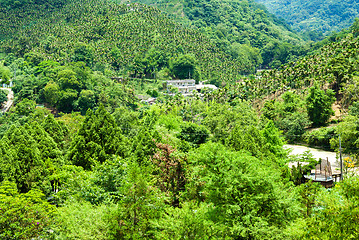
(190, 104)
(340, 157)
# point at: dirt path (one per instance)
(10, 100)
(337, 111)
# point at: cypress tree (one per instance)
(20, 158)
(97, 140)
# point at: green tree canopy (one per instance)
(3, 97)
(248, 198)
(52, 93)
(97, 140)
(23, 215)
(27, 154)
(184, 67)
(5, 74)
(83, 53)
(319, 105)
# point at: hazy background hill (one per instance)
(315, 16)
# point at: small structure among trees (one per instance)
(184, 86)
(187, 86)
(323, 173)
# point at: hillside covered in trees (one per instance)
(301, 94)
(134, 40)
(243, 29)
(316, 18)
(82, 157)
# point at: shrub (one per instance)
(23, 216)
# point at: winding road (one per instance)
(10, 100)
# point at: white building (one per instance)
(187, 86)
(183, 86)
(201, 86)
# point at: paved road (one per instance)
(10, 100)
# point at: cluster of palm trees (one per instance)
(104, 25)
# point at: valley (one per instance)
(171, 119)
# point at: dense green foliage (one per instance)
(81, 157)
(315, 18)
(97, 140)
(67, 88)
(244, 29)
(334, 66)
(319, 105)
(134, 40)
(186, 168)
(5, 73)
(320, 137)
(3, 96)
(23, 215)
(169, 171)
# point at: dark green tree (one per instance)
(83, 53)
(194, 133)
(55, 129)
(269, 110)
(48, 148)
(98, 139)
(25, 107)
(66, 100)
(67, 78)
(319, 105)
(309, 194)
(21, 160)
(33, 58)
(3, 97)
(184, 67)
(87, 100)
(290, 102)
(247, 196)
(127, 120)
(51, 93)
(294, 125)
(5, 74)
(23, 215)
(249, 139)
(141, 204)
(144, 145)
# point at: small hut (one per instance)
(323, 173)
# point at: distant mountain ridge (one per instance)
(315, 16)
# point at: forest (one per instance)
(243, 29)
(84, 156)
(315, 19)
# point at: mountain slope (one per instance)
(334, 66)
(315, 15)
(137, 40)
(236, 24)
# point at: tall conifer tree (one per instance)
(98, 139)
